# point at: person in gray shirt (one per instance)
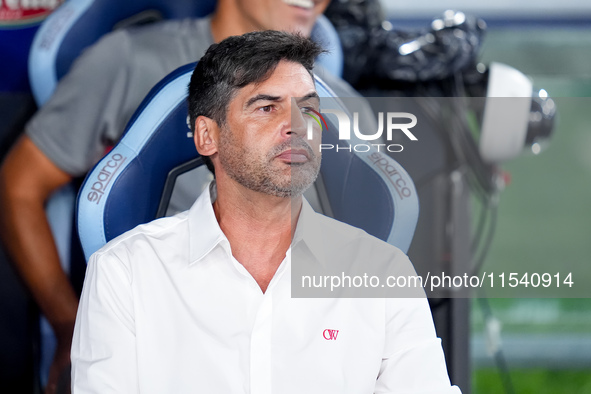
(87, 114)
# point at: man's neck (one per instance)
(259, 228)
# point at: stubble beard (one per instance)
(266, 174)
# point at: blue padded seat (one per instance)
(125, 188)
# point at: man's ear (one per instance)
(206, 136)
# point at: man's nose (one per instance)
(297, 123)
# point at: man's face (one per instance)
(263, 145)
(296, 16)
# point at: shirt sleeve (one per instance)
(413, 360)
(104, 347)
(74, 127)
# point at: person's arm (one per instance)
(413, 359)
(104, 356)
(27, 179)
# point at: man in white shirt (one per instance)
(201, 302)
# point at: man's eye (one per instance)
(266, 108)
(308, 110)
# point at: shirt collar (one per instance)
(204, 231)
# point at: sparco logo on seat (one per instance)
(104, 177)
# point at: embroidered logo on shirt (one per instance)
(330, 335)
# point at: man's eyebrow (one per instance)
(311, 95)
(261, 97)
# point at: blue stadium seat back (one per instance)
(125, 188)
(77, 24)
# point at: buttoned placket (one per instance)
(261, 339)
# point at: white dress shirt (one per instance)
(166, 308)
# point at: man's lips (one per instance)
(294, 156)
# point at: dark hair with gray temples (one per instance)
(239, 61)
